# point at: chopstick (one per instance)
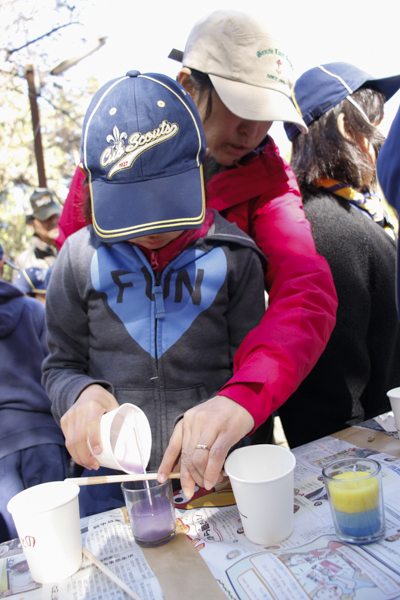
(110, 574)
(117, 478)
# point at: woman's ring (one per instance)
(202, 447)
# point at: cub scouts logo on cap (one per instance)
(137, 144)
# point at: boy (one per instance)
(158, 293)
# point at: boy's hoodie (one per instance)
(164, 341)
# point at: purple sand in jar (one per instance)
(152, 523)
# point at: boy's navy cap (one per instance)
(142, 147)
(321, 88)
(31, 280)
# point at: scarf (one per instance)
(160, 258)
(369, 202)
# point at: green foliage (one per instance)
(14, 233)
(28, 35)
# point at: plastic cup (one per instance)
(394, 397)
(46, 517)
(126, 439)
(261, 477)
(354, 490)
(151, 512)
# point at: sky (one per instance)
(141, 33)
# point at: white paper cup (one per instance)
(262, 482)
(46, 517)
(394, 397)
(126, 439)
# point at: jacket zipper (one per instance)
(159, 308)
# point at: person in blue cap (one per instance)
(335, 164)
(149, 304)
(32, 282)
(388, 168)
(32, 449)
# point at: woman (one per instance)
(335, 165)
(240, 83)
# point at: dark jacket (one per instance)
(163, 341)
(362, 359)
(25, 410)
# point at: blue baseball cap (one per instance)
(142, 147)
(319, 89)
(31, 280)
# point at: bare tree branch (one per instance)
(9, 52)
(62, 110)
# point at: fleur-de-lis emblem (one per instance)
(116, 150)
(116, 138)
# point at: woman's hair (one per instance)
(202, 83)
(86, 205)
(324, 152)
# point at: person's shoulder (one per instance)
(83, 235)
(223, 229)
(35, 307)
(79, 242)
(223, 232)
(9, 290)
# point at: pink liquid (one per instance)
(132, 467)
(152, 522)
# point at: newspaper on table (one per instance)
(312, 563)
(110, 539)
(384, 423)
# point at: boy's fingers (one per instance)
(80, 425)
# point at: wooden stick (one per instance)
(110, 574)
(117, 478)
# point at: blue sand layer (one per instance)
(360, 524)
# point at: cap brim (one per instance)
(47, 212)
(256, 103)
(127, 211)
(11, 264)
(387, 85)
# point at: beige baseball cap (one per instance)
(248, 67)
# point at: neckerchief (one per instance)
(369, 202)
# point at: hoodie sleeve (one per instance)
(65, 370)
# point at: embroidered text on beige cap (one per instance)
(249, 69)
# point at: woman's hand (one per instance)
(218, 424)
(82, 423)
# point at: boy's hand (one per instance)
(82, 422)
(219, 424)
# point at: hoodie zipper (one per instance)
(158, 293)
